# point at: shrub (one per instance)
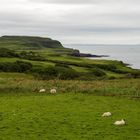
(18, 66)
(23, 66)
(66, 73)
(61, 65)
(45, 73)
(4, 52)
(111, 78)
(109, 67)
(97, 72)
(56, 72)
(136, 74)
(31, 56)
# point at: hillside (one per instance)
(45, 58)
(26, 42)
(85, 89)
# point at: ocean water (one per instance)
(129, 54)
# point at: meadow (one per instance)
(67, 117)
(73, 113)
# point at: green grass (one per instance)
(67, 117)
(73, 114)
(11, 83)
(72, 62)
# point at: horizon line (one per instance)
(97, 44)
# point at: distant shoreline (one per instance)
(92, 55)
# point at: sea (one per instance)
(129, 54)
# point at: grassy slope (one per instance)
(54, 52)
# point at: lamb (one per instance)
(42, 90)
(119, 123)
(53, 91)
(106, 114)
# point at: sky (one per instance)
(73, 21)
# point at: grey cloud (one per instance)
(66, 1)
(84, 1)
(104, 22)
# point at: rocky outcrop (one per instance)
(77, 53)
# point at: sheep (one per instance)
(106, 114)
(119, 123)
(53, 91)
(42, 90)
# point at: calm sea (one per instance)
(129, 54)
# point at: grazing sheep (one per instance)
(122, 122)
(53, 91)
(42, 90)
(106, 114)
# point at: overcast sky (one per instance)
(73, 21)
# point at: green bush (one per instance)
(61, 65)
(109, 67)
(31, 56)
(4, 52)
(56, 72)
(45, 73)
(18, 66)
(136, 74)
(97, 72)
(65, 73)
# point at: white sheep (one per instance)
(106, 114)
(42, 90)
(122, 122)
(53, 91)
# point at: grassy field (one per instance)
(13, 83)
(74, 113)
(67, 117)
